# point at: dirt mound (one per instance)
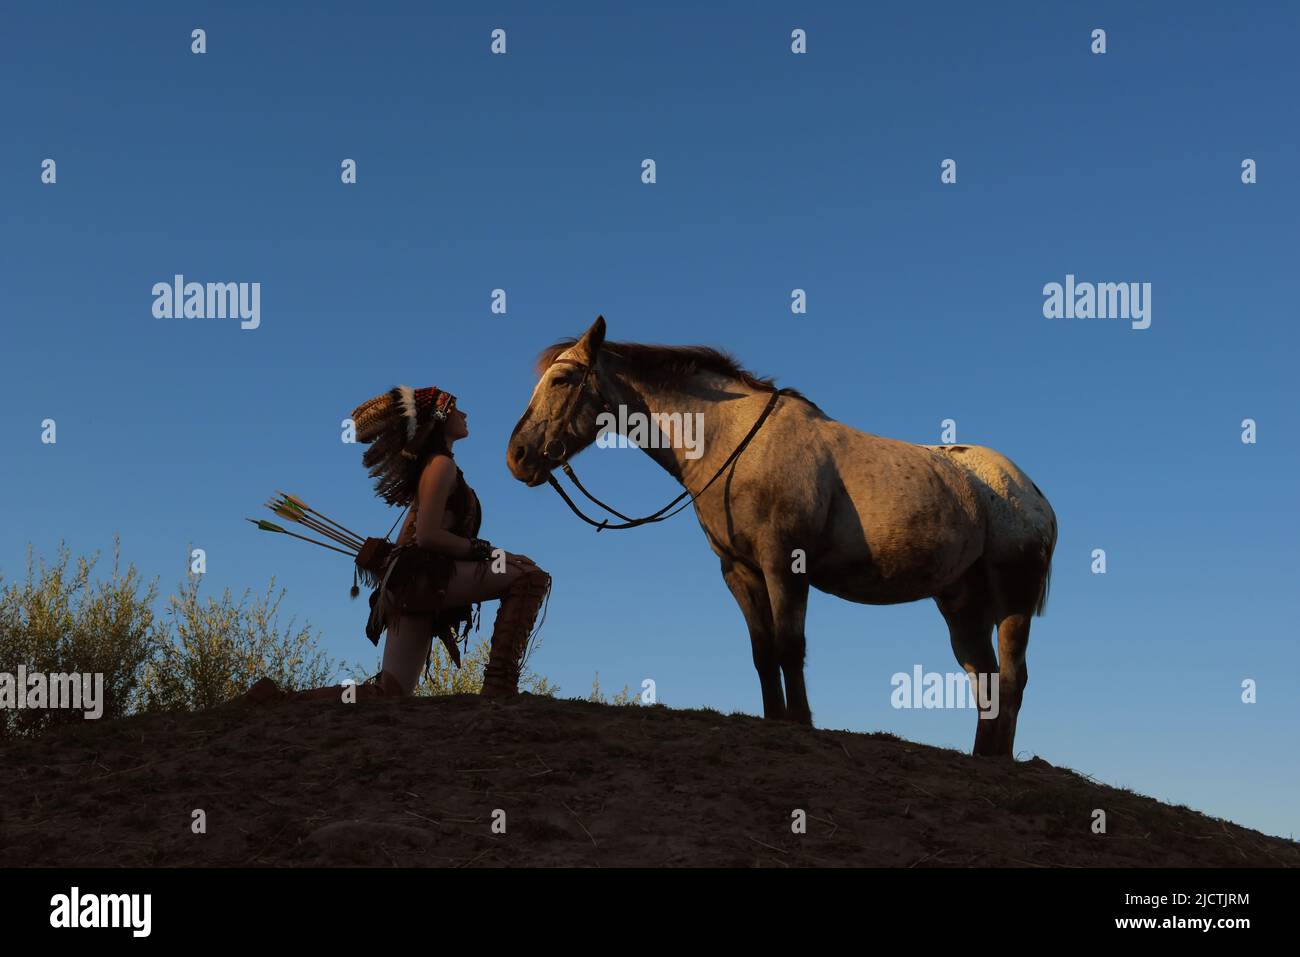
(422, 782)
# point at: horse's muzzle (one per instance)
(526, 466)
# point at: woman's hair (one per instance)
(397, 476)
(435, 444)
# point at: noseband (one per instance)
(589, 381)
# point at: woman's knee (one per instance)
(522, 572)
(534, 576)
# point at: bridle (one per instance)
(589, 381)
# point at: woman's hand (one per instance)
(520, 560)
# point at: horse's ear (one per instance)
(592, 340)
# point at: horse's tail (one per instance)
(1041, 607)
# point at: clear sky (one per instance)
(775, 171)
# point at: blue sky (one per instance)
(775, 171)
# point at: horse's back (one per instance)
(1021, 521)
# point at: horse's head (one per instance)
(561, 418)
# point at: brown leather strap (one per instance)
(658, 516)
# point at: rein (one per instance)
(659, 516)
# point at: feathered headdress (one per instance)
(396, 424)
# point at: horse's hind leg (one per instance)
(1013, 640)
(968, 612)
(1020, 586)
(750, 592)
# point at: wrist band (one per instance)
(480, 549)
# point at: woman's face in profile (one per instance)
(457, 424)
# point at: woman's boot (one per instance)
(510, 633)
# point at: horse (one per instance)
(807, 501)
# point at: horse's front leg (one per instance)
(788, 593)
(750, 592)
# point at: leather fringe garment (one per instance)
(412, 580)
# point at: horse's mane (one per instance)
(666, 365)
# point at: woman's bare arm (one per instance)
(436, 484)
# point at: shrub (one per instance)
(199, 654)
(57, 621)
(624, 697)
(218, 648)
